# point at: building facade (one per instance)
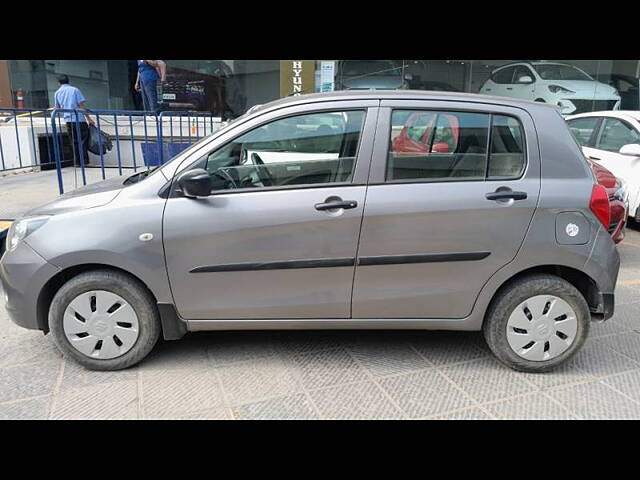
(229, 87)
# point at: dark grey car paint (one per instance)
(281, 225)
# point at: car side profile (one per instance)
(309, 213)
(566, 86)
(612, 140)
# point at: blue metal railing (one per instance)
(153, 151)
(13, 122)
(56, 138)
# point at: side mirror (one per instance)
(408, 76)
(195, 183)
(525, 79)
(631, 149)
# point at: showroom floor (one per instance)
(363, 375)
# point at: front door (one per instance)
(278, 236)
(523, 90)
(439, 223)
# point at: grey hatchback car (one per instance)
(346, 210)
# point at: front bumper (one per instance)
(572, 106)
(23, 274)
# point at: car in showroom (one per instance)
(503, 231)
(566, 86)
(612, 139)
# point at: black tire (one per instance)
(129, 289)
(495, 324)
(541, 100)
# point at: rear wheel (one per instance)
(536, 323)
(105, 320)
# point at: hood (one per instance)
(372, 82)
(587, 87)
(89, 196)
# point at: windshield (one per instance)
(556, 71)
(376, 67)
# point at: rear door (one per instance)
(437, 225)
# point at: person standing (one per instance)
(147, 82)
(68, 97)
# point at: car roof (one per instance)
(531, 64)
(397, 95)
(624, 114)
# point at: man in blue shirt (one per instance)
(147, 83)
(70, 98)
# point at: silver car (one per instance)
(347, 210)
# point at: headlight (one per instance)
(23, 228)
(559, 89)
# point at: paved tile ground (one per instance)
(337, 375)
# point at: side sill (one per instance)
(469, 324)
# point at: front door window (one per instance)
(317, 148)
(616, 134)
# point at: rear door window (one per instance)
(452, 145)
(507, 158)
(455, 146)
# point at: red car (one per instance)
(418, 129)
(618, 205)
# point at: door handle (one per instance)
(594, 158)
(345, 204)
(506, 195)
(509, 88)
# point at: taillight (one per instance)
(599, 204)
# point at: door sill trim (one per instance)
(336, 324)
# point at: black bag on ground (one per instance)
(97, 139)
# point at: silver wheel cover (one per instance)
(101, 324)
(542, 328)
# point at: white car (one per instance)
(566, 86)
(613, 140)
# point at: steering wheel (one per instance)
(262, 171)
(220, 173)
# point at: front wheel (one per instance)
(536, 323)
(105, 320)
